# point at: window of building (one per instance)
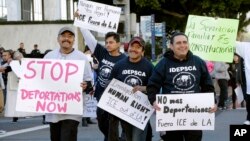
(32, 10)
(38, 10)
(3, 10)
(68, 7)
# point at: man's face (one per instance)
(180, 46)
(6, 56)
(111, 44)
(135, 51)
(66, 40)
(21, 45)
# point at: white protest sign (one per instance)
(16, 67)
(158, 29)
(185, 112)
(51, 86)
(145, 25)
(119, 100)
(90, 106)
(239, 94)
(97, 17)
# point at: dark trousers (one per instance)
(185, 135)
(4, 95)
(247, 100)
(103, 122)
(126, 128)
(113, 128)
(65, 130)
(223, 84)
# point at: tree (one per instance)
(178, 10)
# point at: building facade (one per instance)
(35, 22)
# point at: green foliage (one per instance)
(175, 12)
(158, 49)
(153, 4)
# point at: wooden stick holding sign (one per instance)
(51, 86)
(119, 100)
(185, 112)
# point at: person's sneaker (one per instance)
(247, 122)
(2, 132)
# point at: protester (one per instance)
(242, 49)
(163, 78)
(35, 53)
(107, 57)
(2, 86)
(63, 127)
(87, 52)
(222, 76)
(240, 77)
(12, 87)
(4, 69)
(21, 49)
(135, 62)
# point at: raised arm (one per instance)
(89, 39)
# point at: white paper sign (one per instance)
(145, 25)
(51, 86)
(16, 67)
(119, 100)
(185, 112)
(98, 17)
(239, 94)
(90, 106)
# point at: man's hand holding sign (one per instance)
(184, 112)
(120, 100)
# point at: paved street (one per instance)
(32, 129)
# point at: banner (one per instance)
(158, 29)
(212, 39)
(51, 86)
(119, 100)
(98, 17)
(90, 106)
(145, 26)
(185, 112)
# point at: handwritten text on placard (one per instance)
(211, 38)
(185, 112)
(98, 17)
(119, 100)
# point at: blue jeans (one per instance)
(138, 134)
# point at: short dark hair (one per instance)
(11, 52)
(114, 35)
(177, 34)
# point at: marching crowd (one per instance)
(107, 62)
